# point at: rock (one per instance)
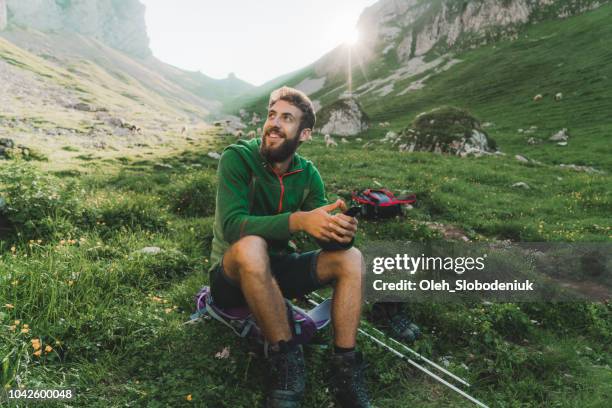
(445, 130)
(150, 250)
(585, 169)
(558, 96)
(86, 107)
(532, 141)
(521, 184)
(119, 24)
(560, 136)
(9, 143)
(538, 97)
(562, 144)
(3, 15)
(163, 166)
(214, 155)
(390, 137)
(521, 158)
(343, 140)
(345, 117)
(118, 122)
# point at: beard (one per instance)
(281, 152)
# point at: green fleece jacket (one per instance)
(253, 200)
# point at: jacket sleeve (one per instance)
(232, 203)
(315, 199)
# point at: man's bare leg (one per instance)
(247, 263)
(348, 269)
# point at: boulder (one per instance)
(521, 184)
(345, 117)
(7, 143)
(560, 136)
(445, 130)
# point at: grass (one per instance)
(113, 316)
(72, 271)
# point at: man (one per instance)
(266, 193)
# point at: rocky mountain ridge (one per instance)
(412, 28)
(117, 23)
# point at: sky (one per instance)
(258, 40)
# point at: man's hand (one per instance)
(322, 225)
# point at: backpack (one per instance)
(241, 321)
(380, 203)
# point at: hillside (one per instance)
(79, 79)
(496, 79)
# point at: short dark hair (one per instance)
(298, 99)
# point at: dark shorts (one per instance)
(296, 275)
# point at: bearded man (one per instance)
(266, 193)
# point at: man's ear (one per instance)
(305, 135)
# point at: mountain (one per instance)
(117, 24)
(488, 56)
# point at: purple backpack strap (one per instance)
(242, 322)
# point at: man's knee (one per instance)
(347, 264)
(247, 255)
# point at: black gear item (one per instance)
(286, 377)
(348, 380)
(403, 328)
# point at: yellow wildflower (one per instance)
(9, 306)
(188, 397)
(12, 328)
(17, 322)
(48, 349)
(35, 344)
(13, 249)
(38, 353)
(26, 326)
(25, 330)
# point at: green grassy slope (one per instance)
(497, 83)
(114, 317)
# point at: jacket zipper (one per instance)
(282, 194)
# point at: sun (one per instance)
(352, 37)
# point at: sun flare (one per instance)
(352, 37)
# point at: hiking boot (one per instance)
(287, 377)
(348, 380)
(395, 316)
(403, 328)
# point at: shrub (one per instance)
(195, 197)
(134, 211)
(37, 205)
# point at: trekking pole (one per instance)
(414, 364)
(408, 349)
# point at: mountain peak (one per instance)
(117, 23)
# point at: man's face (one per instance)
(280, 132)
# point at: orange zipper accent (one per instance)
(280, 180)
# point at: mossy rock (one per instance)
(446, 129)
